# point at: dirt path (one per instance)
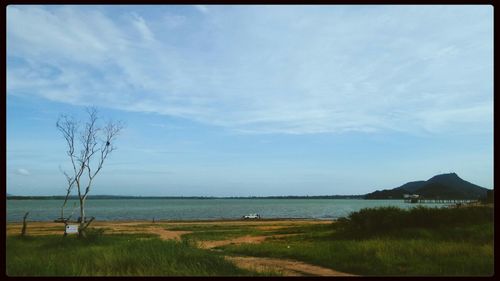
(285, 267)
(167, 234)
(239, 240)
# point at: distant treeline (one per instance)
(302, 197)
(15, 197)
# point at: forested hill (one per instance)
(444, 186)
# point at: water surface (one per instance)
(198, 209)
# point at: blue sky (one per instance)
(253, 100)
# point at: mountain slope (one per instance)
(411, 186)
(444, 186)
(451, 186)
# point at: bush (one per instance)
(387, 219)
(93, 234)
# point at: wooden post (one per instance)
(23, 231)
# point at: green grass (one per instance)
(372, 242)
(428, 253)
(216, 232)
(385, 219)
(454, 248)
(112, 255)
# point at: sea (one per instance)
(198, 209)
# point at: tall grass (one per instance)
(426, 252)
(392, 242)
(382, 257)
(112, 255)
(386, 219)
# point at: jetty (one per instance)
(437, 200)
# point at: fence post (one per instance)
(23, 231)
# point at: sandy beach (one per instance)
(158, 227)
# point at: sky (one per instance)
(228, 100)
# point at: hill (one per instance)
(444, 186)
(411, 186)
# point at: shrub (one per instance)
(93, 234)
(387, 219)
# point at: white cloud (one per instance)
(22, 172)
(202, 8)
(275, 69)
(143, 28)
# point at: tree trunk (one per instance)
(65, 226)
(23, 231)
(81, 229)
(82, 211)
(64, 206)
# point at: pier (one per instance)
(450, 201)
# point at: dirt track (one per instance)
(285, 267)
(239, 240)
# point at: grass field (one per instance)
(113, 255)
(371, 242)
(414, 252)
(451, 248)
(217, 232)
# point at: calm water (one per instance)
(197, 209)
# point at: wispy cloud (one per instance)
(143, 28)
(202, 8)
(22, 172)
(276, 69)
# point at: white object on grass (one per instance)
(71, 228)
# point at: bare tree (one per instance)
(88, 148)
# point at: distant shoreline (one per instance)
(188, 221)
(14, 197)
